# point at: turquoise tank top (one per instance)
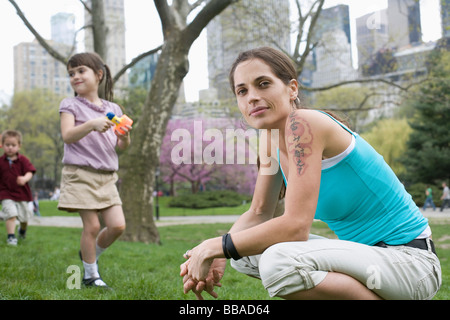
(362, 200)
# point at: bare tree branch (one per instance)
(212, 8)
(86, 6)
(134, 61)
(301, 23)
(165, 15)
(309, 39)
(74, 44)
(100, 28)
(55, 54)
(342, 83)
(196, 4)
(363, 102)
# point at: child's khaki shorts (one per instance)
(18, 209)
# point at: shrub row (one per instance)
(209, 199)
(228, 198)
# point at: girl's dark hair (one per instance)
(94, 61)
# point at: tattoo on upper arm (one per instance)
(299, 141)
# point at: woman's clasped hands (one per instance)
(201, 274)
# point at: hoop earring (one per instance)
(297, 103)
(294, 104)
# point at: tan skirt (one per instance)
(84, 188)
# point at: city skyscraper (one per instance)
(332, 19)
(63, 28)
(404, 23)
(245, 25)
(141, 74)
(371, 35)
(333, 54)
(35, 68)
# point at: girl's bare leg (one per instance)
(91, 228)
(115, 226)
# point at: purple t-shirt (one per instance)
(95, 150)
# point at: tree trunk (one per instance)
(99, 28)
(139, 163)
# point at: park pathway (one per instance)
(75, 221)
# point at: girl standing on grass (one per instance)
(90, 160)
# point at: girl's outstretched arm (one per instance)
(71, 133)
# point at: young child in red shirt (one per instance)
(15, 193)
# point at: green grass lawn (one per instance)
(37, 269)
(48, 208)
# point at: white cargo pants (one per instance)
(396, 272)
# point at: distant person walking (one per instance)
(35, 205)
(429, 199)
(445, 196)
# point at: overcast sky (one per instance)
(143, 32)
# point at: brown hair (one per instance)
(94, 61)
(11, 134)
(281, 66)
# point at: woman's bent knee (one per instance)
(282, 273)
